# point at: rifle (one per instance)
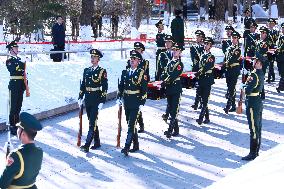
(80, 123)
(8, 145)
(240, 102)
(26, 82)
(119, 115)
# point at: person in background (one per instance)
(177, 29)
(58, 38)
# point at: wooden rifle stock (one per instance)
(80, 125)
(119, 114)
(26, 82)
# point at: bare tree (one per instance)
(219, 10)
(230, 7)
(280, 6)
(87, 12)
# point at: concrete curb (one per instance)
(59, 111)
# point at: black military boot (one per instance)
(228, 106)
(176, 129)
(90, 136)
(97, 143)
(207, 120)
(233, 108)
(165, 117)
(141, 123)
(169, 132)
(135, 143)
(201, 116)
(127, 145)
(253, 151)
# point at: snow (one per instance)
(200, 156)
(274, 11)
(258, 11)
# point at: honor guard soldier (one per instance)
(261, 51)
(160, 41)
(273, 35)
(17, 85)
(254, 107)
(94, 86)
(144, 65)
(247, 23)
(23, 164)
(133, 90)
(165, 57)
(228, 42)
(205, 79)
(251, 41)
(196, 52)
(172, 83)
(232, 64)
(280, 60)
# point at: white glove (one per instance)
(119, 102)
(141, 107)
(100, 106)
(80, 102)
(244, 71)
(242, 86)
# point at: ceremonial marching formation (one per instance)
(261, 50)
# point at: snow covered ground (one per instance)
(200, 156)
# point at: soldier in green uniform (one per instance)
(177, 29)
(133, 89)
(23, 164)
(247, 23)
(196, 52)
(94, 86)
(251, 41)
(16, 86)
(273, 35)
(227, 42)
(232, 64)
(144, 65)
(280, 60)
(163, 60)
(254, 107)
(160, 40)
(205, 79)
(261, 51)
(172, 84)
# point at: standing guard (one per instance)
(133, 89)
(205, 79)
(17, 85)
(172, 84)
(280, 60)
(232, 64)
(144, 65)
(196, 52)
(251, 41)
(261, 51)
(94, 86)
(228, 42)
(254, 107)
(247, 23)
(160, 40)
(273, 35)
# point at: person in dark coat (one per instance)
(58, 38)
(177, 29)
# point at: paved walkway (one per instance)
(197, 158)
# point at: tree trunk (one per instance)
(230, 7)
(269, 8)
(280, 6)
(239, 7)
(219, 10)
(87, 12)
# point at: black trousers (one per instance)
(158, 67)
(58, 56)
(131, 118)
(93, 133)
(173, 104)
(16, 101)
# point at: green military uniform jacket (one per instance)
(133, 88)
(160, 40)
(16, 68)
(164, 58)
(94, 86)
(226, 44)
(205, 73)
(171, 77)
(280, 44)
(196, 51)
(253, 88)
(232, 58)
(23, 166)
(273, 37)
(251, 42)
(262, 47)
